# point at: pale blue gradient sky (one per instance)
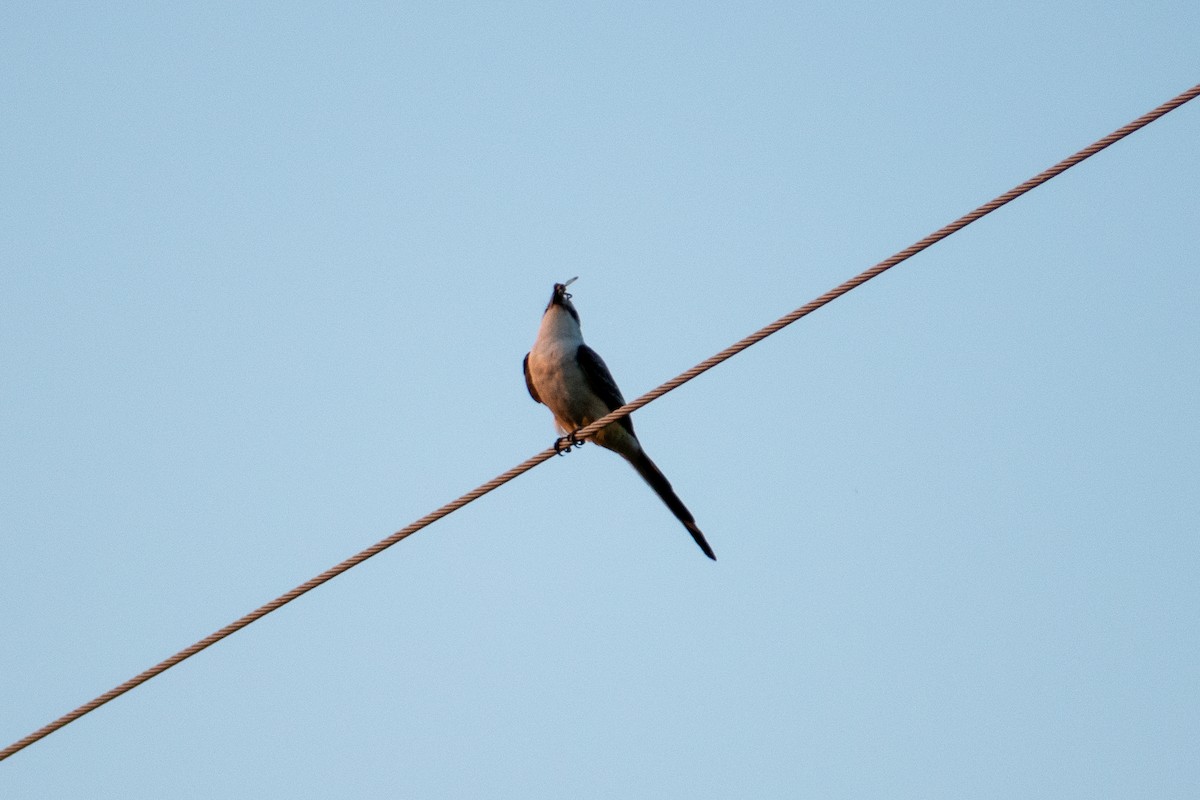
(267, 274)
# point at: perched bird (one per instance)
(572, 381)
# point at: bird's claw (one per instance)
(563, 445)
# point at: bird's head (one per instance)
(562, 298)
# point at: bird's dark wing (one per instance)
(601, 382)
(529, 381)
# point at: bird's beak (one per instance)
(560, 290)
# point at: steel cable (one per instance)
(591, 429)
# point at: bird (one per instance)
(570, 378)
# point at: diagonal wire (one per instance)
(591, 430)
(886, 264)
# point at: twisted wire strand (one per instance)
(279, 602)
(888, 263)
(592, 429)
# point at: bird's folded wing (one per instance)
(529, 382)
(601, 382)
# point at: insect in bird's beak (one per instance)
(562, 287)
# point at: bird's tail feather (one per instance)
(659, 483)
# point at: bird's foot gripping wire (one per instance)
(563, 445)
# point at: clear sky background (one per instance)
(267, 275)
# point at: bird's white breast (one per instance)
(556, 375)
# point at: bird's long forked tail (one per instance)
(659, 483)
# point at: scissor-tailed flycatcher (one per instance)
(568, 377)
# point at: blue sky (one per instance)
(267, 275)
